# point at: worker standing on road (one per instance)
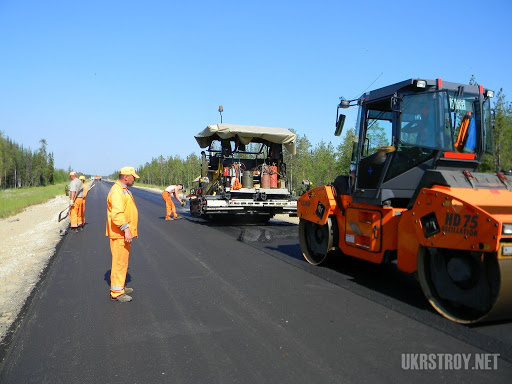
(170, 209)
(80, 204)
(75, 193)
(122, 218)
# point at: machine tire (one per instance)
(317, 240)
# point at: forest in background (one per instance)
(320, 163)
(22, 167)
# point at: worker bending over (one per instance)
(122, 219)
(170, 209)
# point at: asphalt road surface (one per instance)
(236, 304)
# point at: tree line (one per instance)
(319, 164)
(22, 167)
(164, 171)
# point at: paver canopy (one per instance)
(246, 135)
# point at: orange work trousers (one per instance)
(170, 209)
(120, 257)
(75, 214)
(80, 203)
(83, 211)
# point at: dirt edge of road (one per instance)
(28, 244)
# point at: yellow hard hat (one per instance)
(129, 171)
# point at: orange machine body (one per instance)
(441, 217)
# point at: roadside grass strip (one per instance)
(14, 200)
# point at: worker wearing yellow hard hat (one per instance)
(81, 208)
(122, 218)
(75, 193)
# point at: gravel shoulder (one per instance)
(27, 242)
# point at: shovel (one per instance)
(66, 210)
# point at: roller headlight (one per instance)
(506, 229)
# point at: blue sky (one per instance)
(110, 83)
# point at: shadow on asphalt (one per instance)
(281, 241)
(382, 283)
(385, 279)
(107, 278)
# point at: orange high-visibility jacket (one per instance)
(121, 212)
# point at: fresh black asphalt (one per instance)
(228, 304)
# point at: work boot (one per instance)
(124, 298)
(128, 290)
(168, 219)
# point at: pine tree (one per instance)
(344, 152)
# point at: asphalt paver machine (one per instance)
(243, 173)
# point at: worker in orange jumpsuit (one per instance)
(75, 193)
(170, 209)
(80, 204)
(122, 218)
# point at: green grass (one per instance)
(13, 201)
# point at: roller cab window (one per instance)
(425, 121)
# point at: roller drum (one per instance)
(466, 287)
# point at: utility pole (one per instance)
(221, 109)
